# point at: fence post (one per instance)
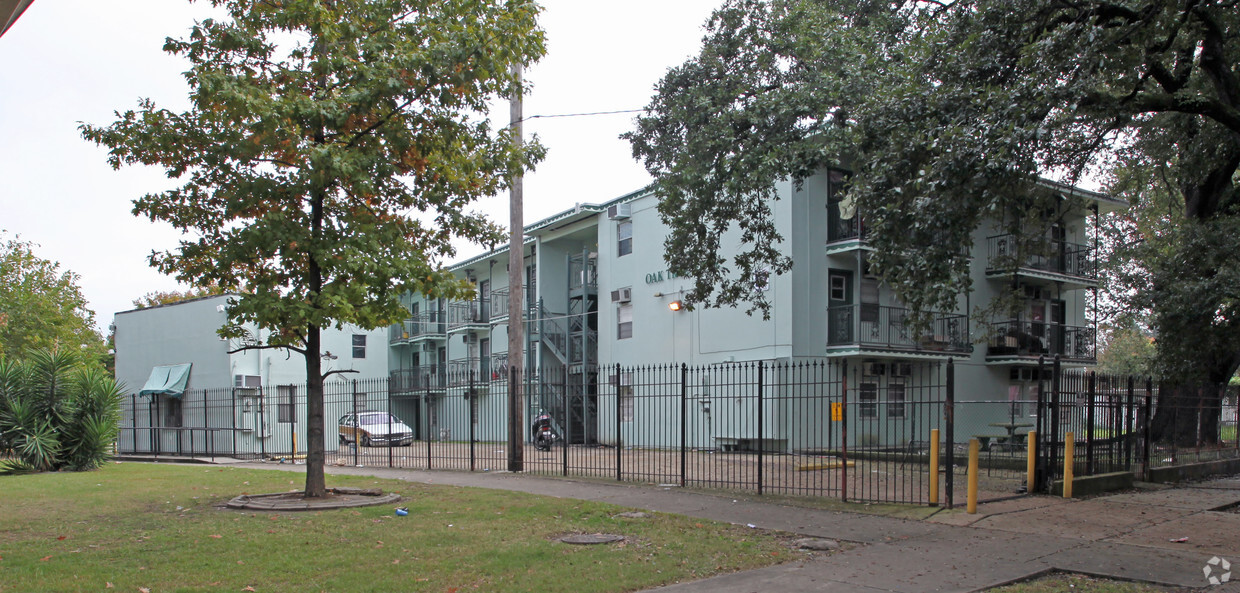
(844, 433)
(568, 416)
(1145, 428)
(391, 446)
(1089, 428)
(934, 467)
(1042, 425)
(1053, 444)
(949, 424)
(353, 405)
(684, 424)
(262, 423)
(473, 395)
(133, 400)
(1128, 435)
(619, 382)
(761, 433)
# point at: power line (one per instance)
(583, 114)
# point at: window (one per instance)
(626, 397)
(285, 395)
(624, 322)
(868, 398)
(624, 231)
(895, 397)
(839, 287)
(172, 411)
(359, 345)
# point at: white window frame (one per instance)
(286, 404)
(897, 407)
(624, 321)
(624, 240)
(359, 346)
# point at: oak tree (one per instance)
(948, 113)
(329, 158)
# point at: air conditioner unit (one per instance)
(619, 211)
(247, 381)
(873, 369)
(471, 338)
(428, 346)
(902, 369)
(623, 295)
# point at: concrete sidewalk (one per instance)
(1125, 536)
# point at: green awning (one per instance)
(169, 380)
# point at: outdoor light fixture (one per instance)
(675, 305)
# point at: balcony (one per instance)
(1027, 340)
(1073, 264)
(582, 274)
(420, 327)
(467, 315)
(462, 371)
(417, 379)
(853, 329)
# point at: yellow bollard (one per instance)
(974, 447)
(1069, 451)
(934, 466)
(1032, 441)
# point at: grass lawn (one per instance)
(1076, 583)
(158, 528)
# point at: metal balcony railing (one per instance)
(1056, 257)
(467, 313)
(421, 325)
(1036, 338)
(582, 272)
(419, 378)
(888, 328)
(844, 229)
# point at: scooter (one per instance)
(544, 436)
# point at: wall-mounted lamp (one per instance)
(675, 306)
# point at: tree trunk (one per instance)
(316, 482)
(1187, 415)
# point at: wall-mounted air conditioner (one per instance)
(619, 211)
(873, 369)
(901, 369)
(623, 295)
(247, 381)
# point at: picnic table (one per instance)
(1014, 438)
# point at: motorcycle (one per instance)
(544, 436)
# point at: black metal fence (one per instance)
(851, 431)
(1115, 420)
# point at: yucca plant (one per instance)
(56, 412)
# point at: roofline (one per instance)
(558, 217)
(1073, 190)
(182, 302)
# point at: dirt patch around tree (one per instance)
(336, 498)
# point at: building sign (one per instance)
(837, 411)
(660, 276)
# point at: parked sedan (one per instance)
(374, 428)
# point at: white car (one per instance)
(374, 428)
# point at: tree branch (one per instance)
(301, 351)
(338, 372)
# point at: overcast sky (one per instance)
(71, 61)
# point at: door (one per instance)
(841, 318)
(1057, 337)
(484, 300)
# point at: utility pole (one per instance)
(516, 311)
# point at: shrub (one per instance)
(56, 412)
